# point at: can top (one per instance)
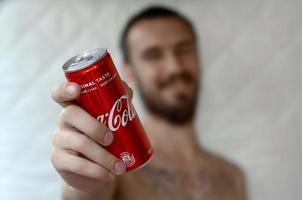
(84, 59)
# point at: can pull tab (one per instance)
(81, 60)
(84, 59)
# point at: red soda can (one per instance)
(104, 97)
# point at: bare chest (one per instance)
(166, 184)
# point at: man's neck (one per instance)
(172, 140)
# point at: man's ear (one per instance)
(129, 75)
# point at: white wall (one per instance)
(250, 108)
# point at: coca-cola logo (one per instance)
(120, 114)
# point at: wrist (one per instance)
(71, 193)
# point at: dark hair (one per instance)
(149, 13)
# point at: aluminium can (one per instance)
(104, 97)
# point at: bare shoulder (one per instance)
(220, 163)
(226, 171)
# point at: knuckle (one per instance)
(97, 131)
(56, 137)
(69, 111)
(60, 119)
(53, 156)
(108, 159)
(99, 173)
(81, 143)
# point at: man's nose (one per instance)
(172, 64)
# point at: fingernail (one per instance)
(107, 139)
(111, 176)
(119, 168)
(71, 89)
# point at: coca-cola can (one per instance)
(104, 97)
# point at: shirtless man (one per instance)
(161, 60)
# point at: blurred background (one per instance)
(250, 108)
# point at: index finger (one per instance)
(66, 93)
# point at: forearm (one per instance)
(69, 193)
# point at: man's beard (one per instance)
(181, 112)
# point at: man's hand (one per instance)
(77, 153)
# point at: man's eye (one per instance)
(185, 50)
(155, 55)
